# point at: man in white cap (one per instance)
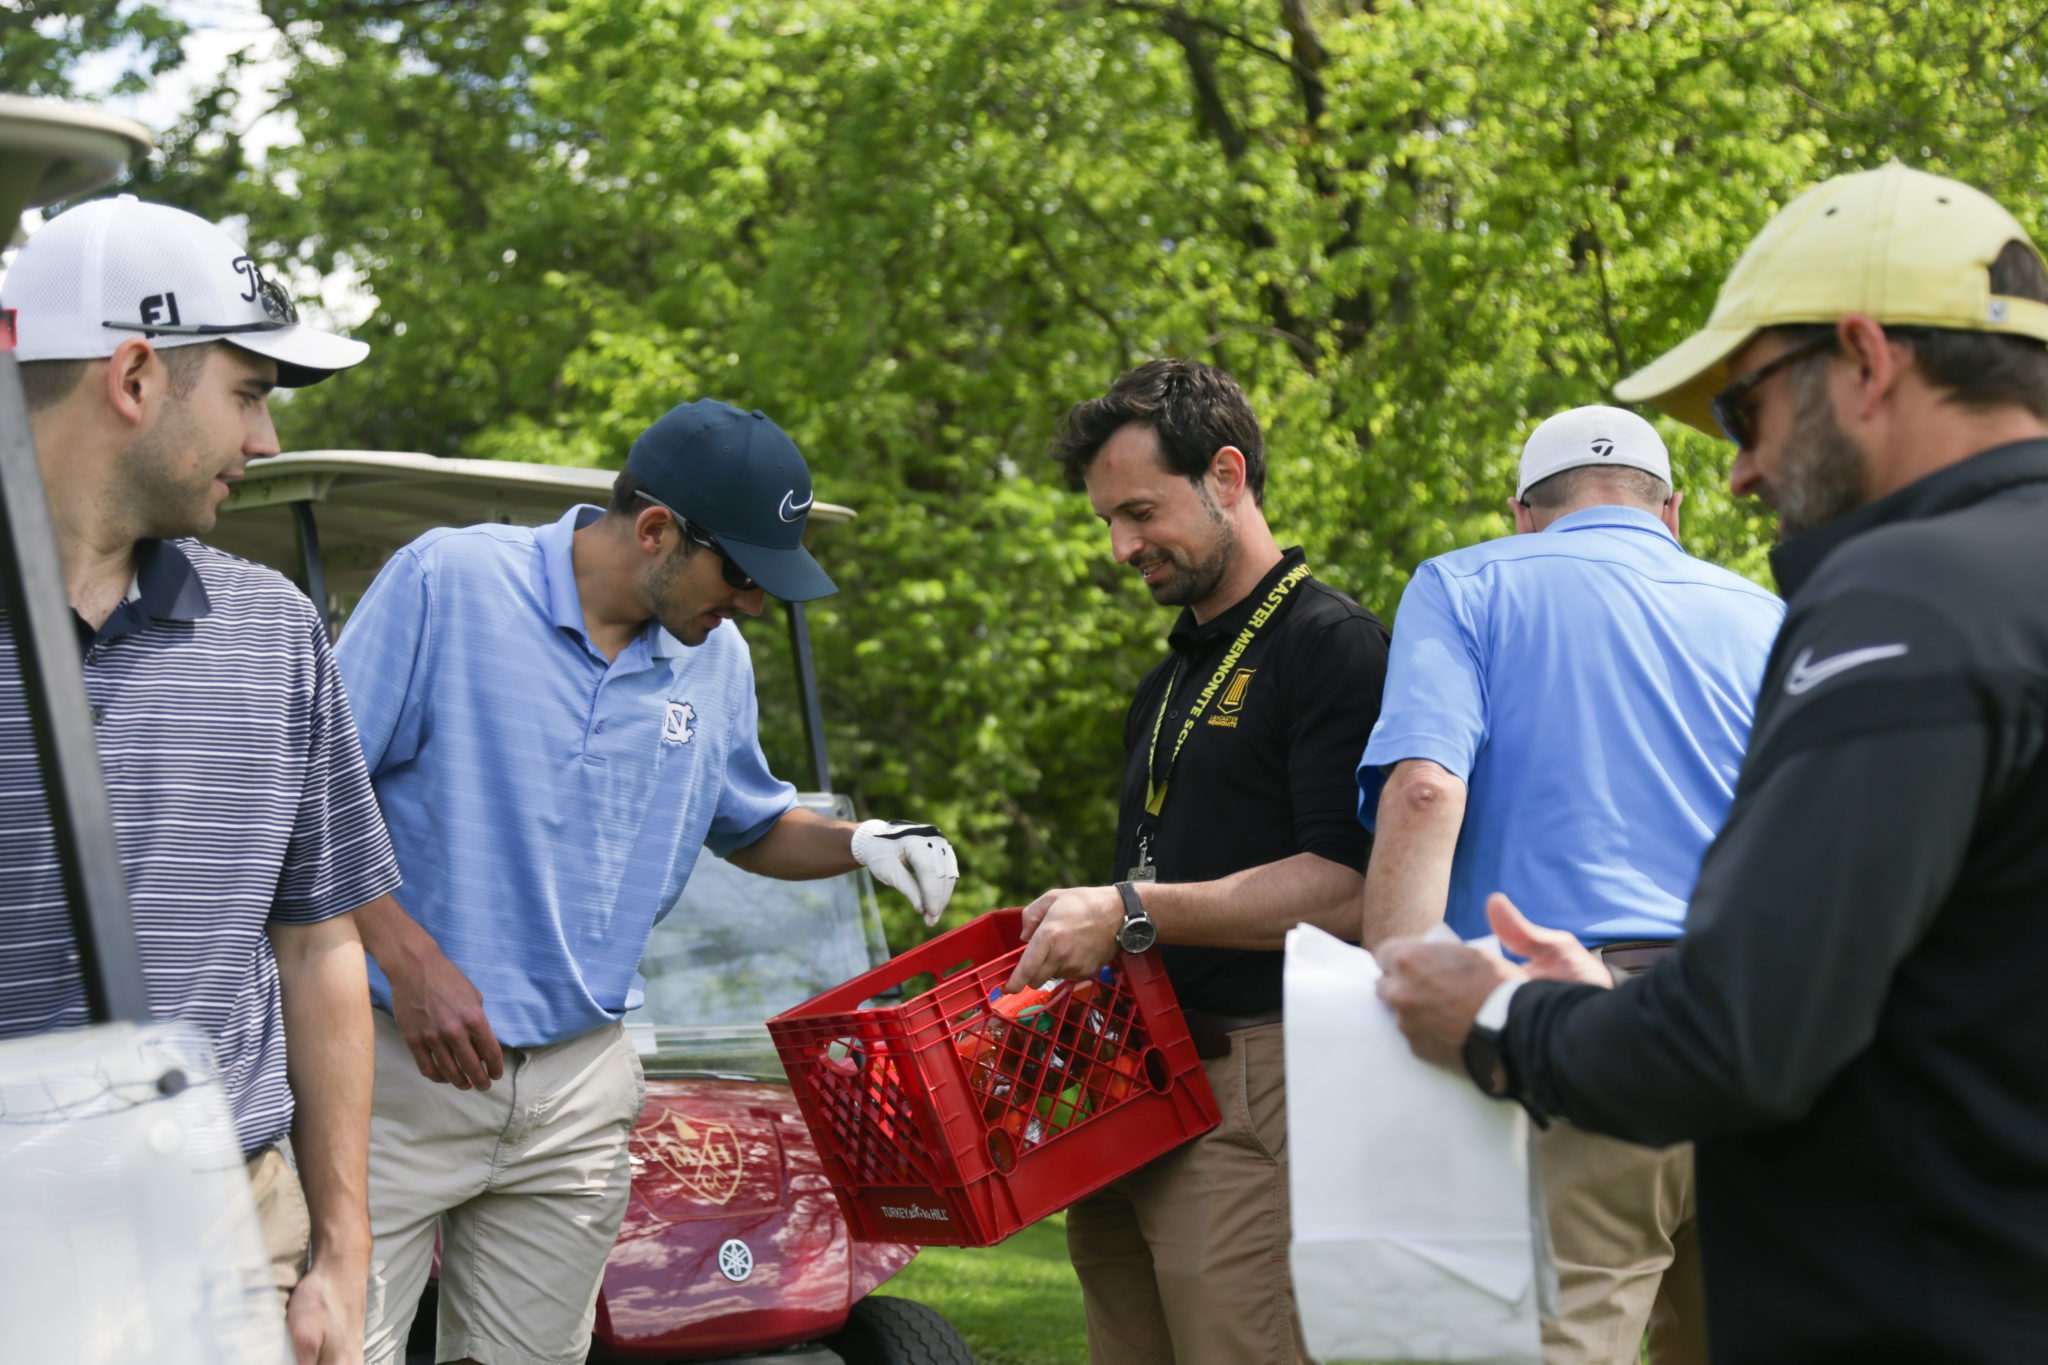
(1850, 1032)
(248, 831)
(1565, 712)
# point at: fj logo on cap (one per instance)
(160, 309)
(1603, 447)
(676, 725)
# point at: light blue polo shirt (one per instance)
(546, 805)
(1593, 686)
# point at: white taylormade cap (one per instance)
(113, 269)
(1588, 436)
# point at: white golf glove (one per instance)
(915, 859)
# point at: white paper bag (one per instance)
(1417, 1226)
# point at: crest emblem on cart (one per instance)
(703, 1157)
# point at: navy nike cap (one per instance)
(737, 476)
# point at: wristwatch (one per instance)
(1481, 1053)
(1138, 932)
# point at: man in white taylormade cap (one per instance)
(150, 342)
(1564, 715)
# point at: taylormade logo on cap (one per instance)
(1592, 436)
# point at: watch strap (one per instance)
(1134, 908)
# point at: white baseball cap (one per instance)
(1594, 435)
(113, 269)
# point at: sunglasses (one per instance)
(1736, 420)
(728, 568)
(279, 312)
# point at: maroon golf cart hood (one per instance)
(716, 1162)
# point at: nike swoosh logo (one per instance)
(1807, 675)
(791, 509)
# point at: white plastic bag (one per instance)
(127, 1228)
(1418, 1231)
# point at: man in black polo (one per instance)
(1237, 823)
(1851, 1029)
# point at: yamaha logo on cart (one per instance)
(736, 1260)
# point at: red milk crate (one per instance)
(943, 1123)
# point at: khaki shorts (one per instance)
(526, 1183)
(1184, 1261)
(281, 1212)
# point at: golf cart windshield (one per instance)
(737, 948)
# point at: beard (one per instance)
(670, 611)
(156, 491)
(1824, 477)
(1192, 577)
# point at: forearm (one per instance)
(1421, 811)
(801, 846)
(390, 935)
(1255, 908)
(1792, 940)
(329, 1062)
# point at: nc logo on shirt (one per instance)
(676, 725)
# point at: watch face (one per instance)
(1137, 935)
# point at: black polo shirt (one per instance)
(1852, 1029)
(1269, 769)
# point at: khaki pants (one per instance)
(526, 1183)
(1627, 1243)
(281, 1212)
(1184, 1261)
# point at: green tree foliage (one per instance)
(44, 42)
(917, 232)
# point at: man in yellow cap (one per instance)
(1851, 1029)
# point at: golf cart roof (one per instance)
(372, 502)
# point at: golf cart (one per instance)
(733, 1245)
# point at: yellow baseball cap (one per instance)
(1900, 245)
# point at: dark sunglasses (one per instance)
(1735, 418)
(279, 312)
(729, 568)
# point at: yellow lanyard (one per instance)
(1155, 785)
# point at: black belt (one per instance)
(1634, 957)
(1211, 1032)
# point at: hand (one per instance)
(442, 1018)
(1435, 991)
(914, 859)
(325, 1319)
(1553, 954)
(1070, 934)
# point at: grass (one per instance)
(1016, 1303)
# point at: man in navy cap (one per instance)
(556, 719)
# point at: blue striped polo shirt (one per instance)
(547, 804)
(1592, 685)
(239, 800)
